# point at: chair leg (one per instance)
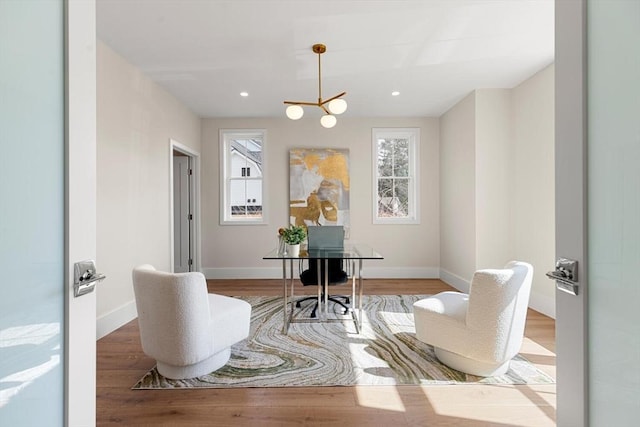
(340, 303)
(333, 298)
(306, 299)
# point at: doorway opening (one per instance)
(184, 209)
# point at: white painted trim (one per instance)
(275, 272)
(370, 271)
(413, 134)
(195, 157)
(80, 210)
(224, 165)
(116, 318)
(456, 281)
(122, 315)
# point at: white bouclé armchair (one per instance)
(187, 330)
(480, 332)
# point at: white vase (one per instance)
(293, 250)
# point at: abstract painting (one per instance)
(319, 187)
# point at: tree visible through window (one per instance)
(395, 175)
(242, 153)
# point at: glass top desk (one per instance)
(351, 253)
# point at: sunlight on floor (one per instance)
(518, 405)
(383, 397)
(386, 398)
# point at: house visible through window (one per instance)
(395, 181)
(242, 176)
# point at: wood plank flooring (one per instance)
(121, 363)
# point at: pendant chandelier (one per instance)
(331, 107)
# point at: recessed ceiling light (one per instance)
(395, 93)
(245, 94)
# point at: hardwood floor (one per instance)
(121, 363)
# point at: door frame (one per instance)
(80, 209)
(195, 197)
(571, 209)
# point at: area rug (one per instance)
(386, 352)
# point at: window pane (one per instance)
(393, 198)
(254, 198)
(246, 198)
(385, 197)
(401, 192)
(238, 197)
(401, 157)
(242, 170)
(385, 157)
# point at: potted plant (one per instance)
(293, 236)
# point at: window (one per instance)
(242, 176)
(395, 175)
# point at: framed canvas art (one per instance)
(319, 187)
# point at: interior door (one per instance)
(571, 211)
(598, 210)
(613, 63)
(32, 297)
(182, 216)
(47, 214)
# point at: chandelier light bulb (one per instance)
(328, 121)
(337, 106)
(294, 112)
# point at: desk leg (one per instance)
(292, 297)
(354, 313)
(285, 323)
(326, 288)
(360, 286)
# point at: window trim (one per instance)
(413, 135)
(225, 165)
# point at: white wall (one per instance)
(493, 185)
(534, 234)
(497, 184)
(457, 193)
(237, 250)
(136, 119)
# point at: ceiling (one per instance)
(205, 52)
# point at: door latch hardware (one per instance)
(565, 275)
(85, 277)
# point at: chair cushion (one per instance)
(230, 320)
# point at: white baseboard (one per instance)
(372, 272)
(456, 281)
(111, 321)
(369, 272)
(244, 273)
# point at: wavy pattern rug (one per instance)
(386, 352)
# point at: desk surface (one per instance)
(350, 251)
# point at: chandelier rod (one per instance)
(319, 52)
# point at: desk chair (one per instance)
(337, 276)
